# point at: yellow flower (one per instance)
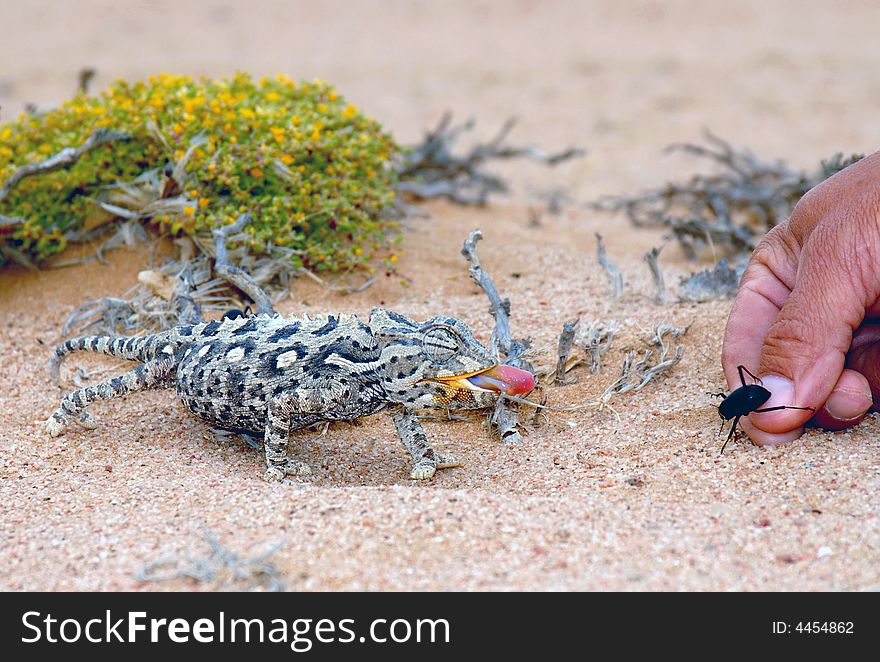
(204, 202)
(189, 211)
(256, 172)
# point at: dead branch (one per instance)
(63, 159)
(498, 307)
(232, 274)
(431, 169)
(596, 341)
(730, 209)
(659, 284)
(508, 350)
(566, 339)
(613, 272)
(221, 567)
(718, 282)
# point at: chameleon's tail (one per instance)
(133, 348)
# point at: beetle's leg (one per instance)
(730, 436)
(761, 411)
(741, 369)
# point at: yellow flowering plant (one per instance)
(316, 174)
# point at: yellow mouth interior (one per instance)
(460, 382)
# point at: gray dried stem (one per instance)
(507, 350)
(431, 169)
(220, 567)
(63, 159)
(718, 282)
(729, 210)
(232, 274)
(202, 280)
(640, 367)
(611, 270)
(596, 341)
(657, 275)
(563, 350)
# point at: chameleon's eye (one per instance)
(440, 344)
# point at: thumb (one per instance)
(805, 349)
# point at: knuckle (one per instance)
(785, 341)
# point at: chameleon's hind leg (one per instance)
(426, 461)
(153, 374)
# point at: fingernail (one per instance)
(781, 391)
(847, 405)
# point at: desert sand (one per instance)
(590, 500)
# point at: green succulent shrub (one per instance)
(315, 173)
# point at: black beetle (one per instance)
(235, 313)
(745, 400)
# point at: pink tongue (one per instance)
(506, 379)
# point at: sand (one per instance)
(589, 501)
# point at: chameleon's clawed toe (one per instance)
(86, 421)
(290, 468)
(274, 475)
(447, 461)
(54, 426)
(424, 470)
(297, 468)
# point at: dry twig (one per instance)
(657, 275)
(613, 272)
(63, 159)
(566, 340)
(431, 169)
(731, 209)
(221, 567)
(507, 350)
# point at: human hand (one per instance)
(806, 318)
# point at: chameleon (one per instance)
(271, 375)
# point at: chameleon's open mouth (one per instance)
(498, 379)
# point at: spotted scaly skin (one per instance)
(269, 375)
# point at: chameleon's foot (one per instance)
(291, 468)
(86, 421)
(55, 426)
(423, 470)
(447, 461)
(426, 468)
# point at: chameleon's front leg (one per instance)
(278, 423)
(412, 434)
